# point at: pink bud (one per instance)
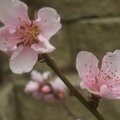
(61, 94)
(46, 89)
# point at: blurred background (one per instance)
(92, 25)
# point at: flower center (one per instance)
(28, 34)
(33, 32)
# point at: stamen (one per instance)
(28, 33)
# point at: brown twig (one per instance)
(72, 89)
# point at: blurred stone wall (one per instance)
(8, 109)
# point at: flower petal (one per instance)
(107, 93)
(86, 63)
(43, 47)
(23, 60)
(31, 87)
(46, 75)
(58, 84)
(111, 90)
(13, 11)
(37, 76)
(7, 39)
(110, 66)
(91, 85)
(49, 22)
(87, 66)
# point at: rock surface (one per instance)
(7, 103)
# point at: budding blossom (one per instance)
(38, 80)
(23, 39)
(41, 88)
(104, 81)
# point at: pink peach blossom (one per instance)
(29, 37)
(41, 88)
(37, 82)
(40, 77)
(103, 81)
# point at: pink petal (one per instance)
(110, 66)
(114, 87)
(44, 46)
(46, 75)
(92, 87)
(111, 89)
(49, 22)
(37, 76)
(86, 63)
(58, 84)
(23, 60)
(5, 42)
(31, 87)
(105, 92)
(13, 11)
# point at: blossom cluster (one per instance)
(42, 87)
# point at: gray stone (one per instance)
(62, 53)
(96, 35)
(7, 103)
(75, 9)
